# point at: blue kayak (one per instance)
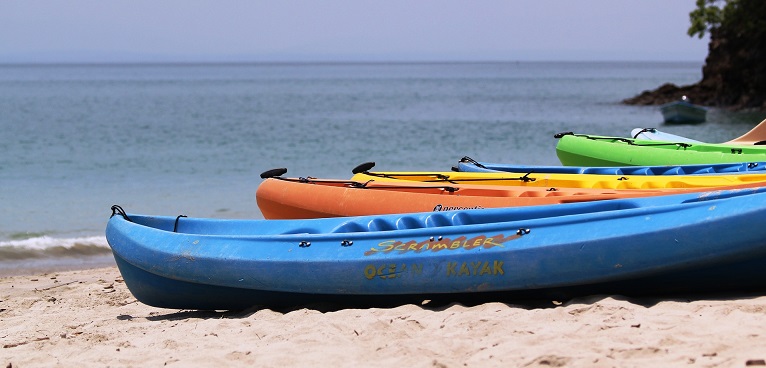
(467, 164)
(686, 242)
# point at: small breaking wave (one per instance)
(49, 247)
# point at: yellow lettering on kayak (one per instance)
(441, 244)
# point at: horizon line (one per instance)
(330, 62)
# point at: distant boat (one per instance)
(683, 112)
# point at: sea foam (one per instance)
(47, 247)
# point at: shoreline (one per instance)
(89, 317)
(51, 265)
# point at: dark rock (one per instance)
(734, 75)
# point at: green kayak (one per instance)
(593, 150)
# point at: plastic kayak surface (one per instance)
(654, 134)
(593, 150)
(287, 198)
(555, 180)
(469, 165)
(678, 243)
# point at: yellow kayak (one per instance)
(554, 180)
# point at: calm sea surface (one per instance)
(192, 139)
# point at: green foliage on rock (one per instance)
(734, 75)
(705, 17)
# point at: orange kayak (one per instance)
(288, 198)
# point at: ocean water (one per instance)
(192, 139)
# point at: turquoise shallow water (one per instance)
(193, 139)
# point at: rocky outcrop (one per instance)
(734, 75)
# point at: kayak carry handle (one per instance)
(559, 135)
(175, 226)
(472, 161)
(117, 210)
(361, 168)
(273, 173)
(644, 130)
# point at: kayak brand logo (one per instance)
(387, 271)
(439, 208)
(441, 244)
(479, 268)
(392, 271)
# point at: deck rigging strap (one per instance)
(446, 188)
(313, 180)
(442, 178)
(632, 142)
(364, 185)
(468, 180)
(394, 175)
(629, 141)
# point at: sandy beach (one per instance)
(89, 318)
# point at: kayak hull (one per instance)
(678, 242)
(557, 180)
(295, 199)
(591, 150)
(162, 292)
(701, 169)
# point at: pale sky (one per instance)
(347, 30)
